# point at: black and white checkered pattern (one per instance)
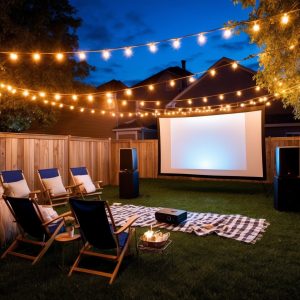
(236, 227)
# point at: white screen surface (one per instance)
(215, 145)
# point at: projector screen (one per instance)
(215, 145)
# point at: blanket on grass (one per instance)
(238, 227)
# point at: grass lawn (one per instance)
(208, 267)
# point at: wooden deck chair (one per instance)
(98, 234)
(53, 187)
(33, 229)
(15, 185)
(86, 187)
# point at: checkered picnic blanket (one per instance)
(238, 227)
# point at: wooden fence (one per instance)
(30, 152)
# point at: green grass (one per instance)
(202, 268)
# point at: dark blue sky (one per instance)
(115, 23)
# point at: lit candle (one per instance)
(148, 235)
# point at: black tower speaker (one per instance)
(128, 159)
(286, 193)
(128, 175)
(287, 181)
(287, 161)
(128, 184)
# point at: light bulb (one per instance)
(25, 93)
(256, 27)
(57, 97)
(192, 79)
(239, 93)
(106, 54)
(212, 72)
(201, 39)
(36, 56)
(142, 103)
(90, 98)
(82, 109)
(151, 87)
(172, 83)
(71, 107)
(128, 92)
(82, 56)
(124, 102)
(234, 65)
(257, 88)
(13, 56)
(284, 19)
(190, 101)
(61, 105)
(204, 99)
(59, 56)
(221, 97)
(92, 111)
(128, 52)
(227, 33)
(152, 47)
(157, 103)
(74, 97)
(42, 94)
(176, 43)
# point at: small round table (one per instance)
(65, 238)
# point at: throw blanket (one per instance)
(236, 227)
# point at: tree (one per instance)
(279, 59)
(37, 26)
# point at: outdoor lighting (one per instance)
(151, 87)
(61, 105)
(90, 98)
(212, 72)
(36, 56)
(190, 101)
(108, 95)
(128, 52)
(82, 109)
(157, 103)
(57, 97)
(130, 114)
(109, 101)
(142, 103)
(176, 43)
(256, 27)
(242, 104)
(234, 65)
(92, 111)
(13, 56)
(103, 112)
(59, 56)
(25, 93)
(172, 83)
(71, 107)
(82, 55)
(192, 79)
(121, 115)
(152, 47)
(201, 39)
(221, 97)
(46, 101)
(257, 88)
(124, 102)
(284, 19)
(74, 97)
(204, 99)
(239, 93)
(268, 103)
(227, 33)
(33, 98)
(42, 94)
(106, 54)
(128, 92)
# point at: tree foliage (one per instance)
(37, 26)
(280, 52)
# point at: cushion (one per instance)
(87, 183)
(55, 185)
(18, 189)
(48, 213)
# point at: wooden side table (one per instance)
(64, 238)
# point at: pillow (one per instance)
(48, 213)
(55, 185)
(87, 183)
(18, 189)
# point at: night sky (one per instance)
(117, 23)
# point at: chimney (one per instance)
(183, 64)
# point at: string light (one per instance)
(92, 111)
(82, 109)
(151, 87)
(256, 27)
(142, 103)
(124, 102)
(25, 93)
(128, 92)
(42, 94)
(201, 39)
(221, 97)
(204, 99)
(152, 47)
(192, 79)
(284, 19)
(82, 55)
(190, 102)
(36, 57)
(109, 100)
(90, 98)
(172, 83)
(128, 52)
(234, 65)
(61, 105)
(13, 56)
(239, 93)
(106, 54)
(227, 33)
(74, 97)
(212, 72)
(157, 103)
(176, 44)
(59, 56)
(71, 107)
(257, 88)
(57, 97)
(109, 95)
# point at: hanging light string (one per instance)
(153, 46)
(144, 112)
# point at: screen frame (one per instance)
(243, 110)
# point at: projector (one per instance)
(171, 215)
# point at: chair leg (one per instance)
(85, 247)
(48, 244)
(11, 247)
(121, 257)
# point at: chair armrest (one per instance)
(129, 222)
(35, 193)
(98, 183)
(71, 187)
(68, 213)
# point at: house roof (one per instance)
(175, 71)
(112, 85)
